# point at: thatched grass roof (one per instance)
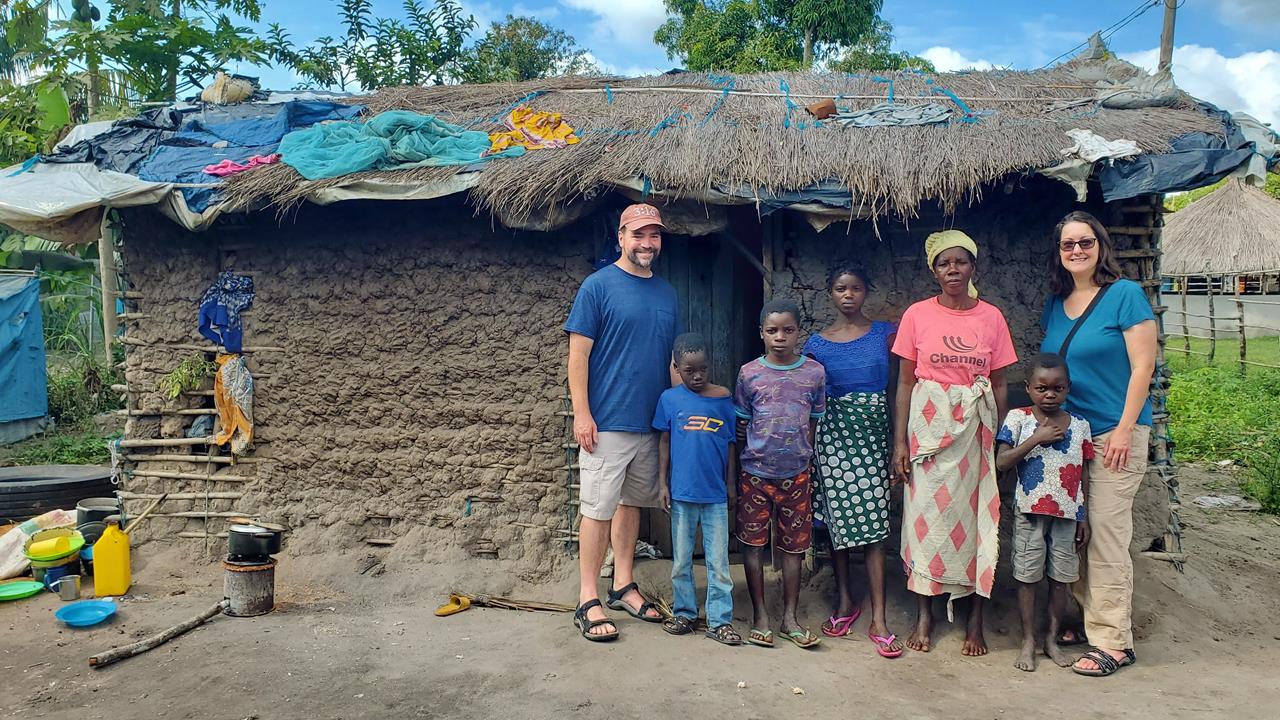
(686, 135)
(1234, 230)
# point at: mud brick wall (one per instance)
(423, 364)
(1011, 224)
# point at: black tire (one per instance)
(29, 491)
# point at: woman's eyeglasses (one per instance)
(1083, 244)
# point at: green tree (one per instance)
(760, 35)
(376, 52)
(733, 36)
(831, 23)
(875, 52)
(524, 48)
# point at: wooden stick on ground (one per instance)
(103, 659)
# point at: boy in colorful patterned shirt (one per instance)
(1050, 448)
(779, 399)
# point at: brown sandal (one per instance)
(725, 634)
(677, 625)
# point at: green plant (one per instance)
(79, 388)
(79, 448)
(188, 375)
(1219, 414)
(1262, 483)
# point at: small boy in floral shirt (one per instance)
(1050, 448)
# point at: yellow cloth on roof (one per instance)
(936, 243)
(532, 130)
(233, 397)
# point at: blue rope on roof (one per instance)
(668, 121)
(608, 93)
(516, 104)
(791, 105)
(889, 81)
(726, 83)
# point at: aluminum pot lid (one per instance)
(271, 527)
(248, 529)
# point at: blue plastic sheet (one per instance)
(242, 131)
(1194, 160)
(23, 386)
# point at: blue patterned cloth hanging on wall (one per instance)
(220, 309)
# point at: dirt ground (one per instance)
(355, 638)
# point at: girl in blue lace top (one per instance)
(851, 451)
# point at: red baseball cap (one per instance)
(640, 215)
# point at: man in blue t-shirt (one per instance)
(621, 328)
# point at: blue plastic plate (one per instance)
(86, 612)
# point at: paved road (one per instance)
(1259, 320)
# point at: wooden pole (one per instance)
(1213, 325)
(1166, 35)
(104, 659)
(108, 277)
(1240, 318)
(1186, 329)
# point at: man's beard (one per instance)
(636, 260)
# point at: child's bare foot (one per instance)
(881, 629)
(975, 644)
(1054, 652)
(1027, 658)
(920, 640)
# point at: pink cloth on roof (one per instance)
(953, 347)
(231, 167)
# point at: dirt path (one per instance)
(350, 645)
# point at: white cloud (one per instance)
(609, 68)
(1251, 14)
(1249, 82)
(629, 23)
(946, 60)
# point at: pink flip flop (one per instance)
(883, 643)
(840, 626)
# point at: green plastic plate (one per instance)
(18, 590)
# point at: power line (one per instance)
(1113, 28)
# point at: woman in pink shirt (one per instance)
(953, 349)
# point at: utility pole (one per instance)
(1166, 36)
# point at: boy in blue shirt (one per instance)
(696, 482)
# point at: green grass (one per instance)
(1218, 412)
(1226, 353)
(77, 447)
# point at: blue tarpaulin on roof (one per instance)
(235, 132)
(23, 388)
(1194, 160)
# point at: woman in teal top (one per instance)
(1112, 358)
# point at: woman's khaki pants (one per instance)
(1105, 587)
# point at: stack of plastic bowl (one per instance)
(54, 553)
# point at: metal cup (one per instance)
(68, 587)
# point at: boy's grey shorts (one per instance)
(1040, 540)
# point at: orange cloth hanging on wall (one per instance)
(233, 397)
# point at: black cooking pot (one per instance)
(253, 539)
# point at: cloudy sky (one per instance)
(1227, 51)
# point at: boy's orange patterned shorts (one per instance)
(757, 499)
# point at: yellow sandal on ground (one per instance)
(456, 604)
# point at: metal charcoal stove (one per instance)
(249, 572)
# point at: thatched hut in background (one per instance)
(1232, 233)
(405, 336)
(1227, 243)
